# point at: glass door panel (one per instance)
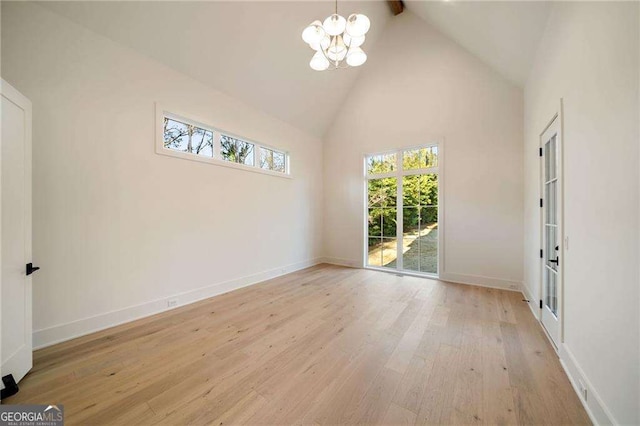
(411, 237)
(420, 223)
(382, 221)
(429, 240)
(551, 246)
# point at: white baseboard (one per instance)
(593, 405)
(595, 408)
(62, 332)
(498, 283)
(342, 262)
(533, 301)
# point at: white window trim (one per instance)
(161, 113)
(399, 173)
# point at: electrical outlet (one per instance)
(172, 303)
(513, 287)
(583, 389)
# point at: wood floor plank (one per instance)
(397, 415)
(527, 397)
(325, 345)
(437, 406)
(497, 397)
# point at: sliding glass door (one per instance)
(402, 210)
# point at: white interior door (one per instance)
(15, 233)
(552, 230)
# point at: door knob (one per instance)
(31, 269)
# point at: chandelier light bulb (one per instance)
(313, 33)
(322, 44)
(357, 25)
(356, 57)
(337, 50)
(353, 41)
(319, 62)
(337, 45)
(334, 24)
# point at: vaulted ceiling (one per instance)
(504, 34)
(252, 50)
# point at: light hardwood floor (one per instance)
(327, 345)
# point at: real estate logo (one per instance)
(31, 415)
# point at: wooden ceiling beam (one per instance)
(397, 6)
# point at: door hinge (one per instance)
(541, 202)
(540, 303)
(541, 255)
(10, 387)
(540, 151)
(31, 269)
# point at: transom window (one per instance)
(273, 160)
(189, 139)
(185, 137)
(236, 150)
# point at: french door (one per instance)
(15, 249)
(402, 210)
(551, 175)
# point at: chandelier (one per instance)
(337, 40)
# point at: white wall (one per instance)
(589, 57)
(419, 85)
(119, 229)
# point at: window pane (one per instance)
(382, 192)
(411, 253)
(279, 162)
(383, 163)
(429, 252)
(552, 158)
(272, 160)
(420, 158)
(420, 190)
(375, 252)
(389, 252)
(236, 150)
(411, 190)
(428, 190)
(389, 223)
(185, 137)
(550, 201)
(432, 156)
(410, 220)
(429, 240)
(554, 293)
(428, 217)
(375, 222)
(245, 153)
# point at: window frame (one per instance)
(217, 159)
(399, 173)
